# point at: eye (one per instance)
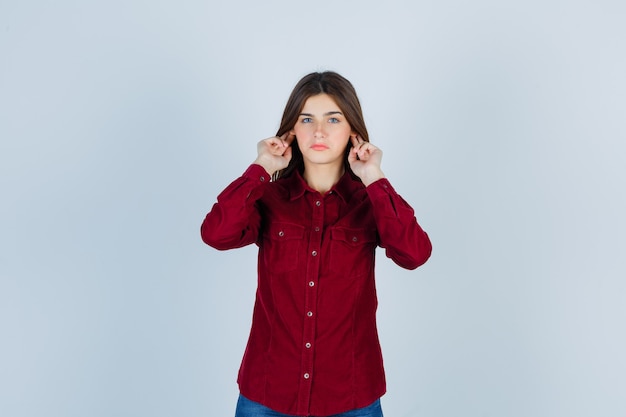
(333, 120)
(307, 120)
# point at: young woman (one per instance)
(317, 205)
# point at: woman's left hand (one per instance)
(364, 160)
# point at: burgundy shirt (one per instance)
(313, 346)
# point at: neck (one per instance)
(322, 177)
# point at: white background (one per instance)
(502, 123)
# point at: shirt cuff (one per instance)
(380, 188)
(257, 173)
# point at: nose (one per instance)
(319, 131)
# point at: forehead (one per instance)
(320, 103)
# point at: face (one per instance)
(322, 131)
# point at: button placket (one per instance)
(310, 280)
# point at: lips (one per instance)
(319, 147)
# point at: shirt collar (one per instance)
(347, 185)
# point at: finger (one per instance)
(368, 146)
(287, 154)
(366, 150)
(286, 139)
(355, 151)
(289, 138)
(273, 141)
(280, 143)
(352, 156)
(362, 144)
(275, 146)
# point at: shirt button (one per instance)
(314, 253)
(281, 233)
(317, 229)
(308, 345)
(354, 239)
(262, 179)
(318, 203)
(311, 284)
(307, 376)
(310, 314)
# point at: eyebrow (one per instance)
(330, 113)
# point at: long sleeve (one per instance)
(400, 235)
(313, 338)
(234, 221)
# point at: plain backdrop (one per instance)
(501, 122)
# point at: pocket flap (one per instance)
(285, 231)
(353, 236)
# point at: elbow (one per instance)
(213, 239)
(413, 262)
(222, 238)
(211, 236)
(416, 257)
(208, 238)
(416, 262)
(212, 233)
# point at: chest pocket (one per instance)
(351, 251)
(282, 245)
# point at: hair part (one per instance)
(341, 91)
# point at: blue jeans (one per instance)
(247, 408)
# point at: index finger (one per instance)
(287, 137)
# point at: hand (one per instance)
(274, 153)
(364, 160)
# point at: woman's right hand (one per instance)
(274, 153)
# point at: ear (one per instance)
(292, 132)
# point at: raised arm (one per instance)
(234, 220)
(400, 235)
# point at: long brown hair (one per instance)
(341, 91)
